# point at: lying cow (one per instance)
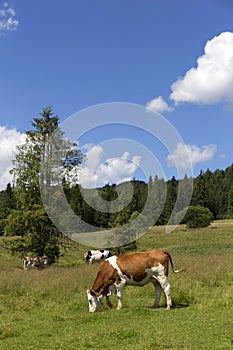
(135, 269)
(96, 256)
(39, 262)
(29, 262)
(49, 260)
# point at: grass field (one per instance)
(48, 310)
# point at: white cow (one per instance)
(96, 256)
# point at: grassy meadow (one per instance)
(47, 309)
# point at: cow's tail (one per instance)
(171, 262)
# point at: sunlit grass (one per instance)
(48, 310)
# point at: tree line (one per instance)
(22, 213)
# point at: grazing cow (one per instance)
(135, 269)
(39, 262)
(96, 256)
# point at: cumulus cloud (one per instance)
(8, 23)
(99, 171)
(158, 105)
(9, 139)
(212, 80)
(94, 155)
(179, 157)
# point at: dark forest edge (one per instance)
(22, 213)
(211, 190)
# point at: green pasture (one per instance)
(47, 309)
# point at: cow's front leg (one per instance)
(119, 292)
(111, 291)
(158, 291)
(108, 302)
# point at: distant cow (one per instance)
(30, 262)
(96, 256)
(39, 262)
(135, 269)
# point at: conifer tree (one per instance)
(29, 219)
(7, 203)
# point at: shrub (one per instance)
(198, 216)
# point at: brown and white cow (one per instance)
(136, 269)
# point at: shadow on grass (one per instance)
(174, 306)
(179, 305)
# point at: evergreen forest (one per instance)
(22, 213)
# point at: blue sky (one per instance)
(173, 56)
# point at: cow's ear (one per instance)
(89, 296)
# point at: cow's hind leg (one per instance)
(158, 292)
(167, 291)
(163, 280)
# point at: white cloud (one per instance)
(158, 105)
(99, 171)
(196, 154)
(9, 139)
(212, 80)
(94, 155)
(8, 23)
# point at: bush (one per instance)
(198, 216)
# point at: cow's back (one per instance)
(133, 264)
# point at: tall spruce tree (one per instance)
(171, 196)
(29, 219)
(7, 203)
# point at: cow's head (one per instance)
(93, 301)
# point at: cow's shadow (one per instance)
(174, 306)
(179, 305)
